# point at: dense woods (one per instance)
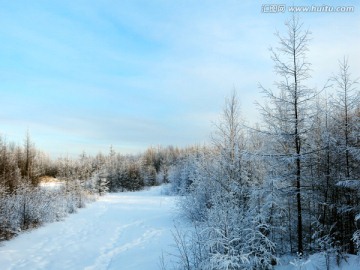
(290, 184)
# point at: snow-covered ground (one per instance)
(318, 262)
(119, 231)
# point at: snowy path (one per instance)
(120, 231)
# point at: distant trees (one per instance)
(10, 174)
(128, 173)
(21, 164)
(25, 204)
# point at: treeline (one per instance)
(288, 185)
(27, 199)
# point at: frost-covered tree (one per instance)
(287, 113)
(345, 104)
(10, 174)
(346, 137)
(221, 200)
(183, 173)
(101, 182)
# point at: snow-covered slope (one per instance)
(120, 231)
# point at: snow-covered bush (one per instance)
(29, 206)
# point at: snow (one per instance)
(128, 230)
(317, 261)
(51, 185)
(119, 231)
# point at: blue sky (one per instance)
(82, 75)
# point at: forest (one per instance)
(289, 184)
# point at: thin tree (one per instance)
(286, 119)
(345, 105)
(29, 156)
(346, 136)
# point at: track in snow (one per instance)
(119, 231)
